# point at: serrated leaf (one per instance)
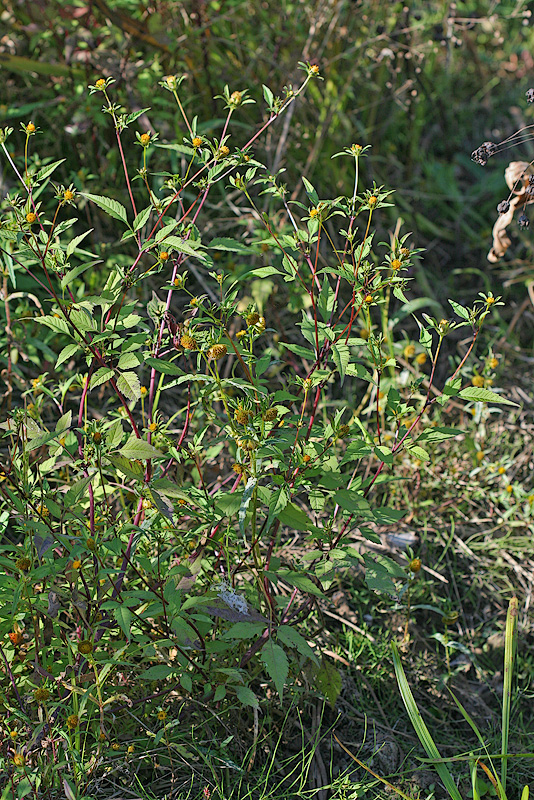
(129, 361)
(128, 384)
(102, 375)
(300, 581)
(480, 395)
(66, 353)
(114, 434)
(142, 218)
(73, 244)
(167, 367)
(45, 172)
(459, 310)
(418, 452)
(112, 207)
(246, 696)
(293, 517)
(138, 448)
(135, 114)
(276, 664)
(351, 500)
(75, 491)
(57, 324)
(293, 638)
(341, 356)
(230, 245)
(129, 468)
(64, 422)
(157, 673)
(328, 681)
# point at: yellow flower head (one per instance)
(145, 139)
(100, 83)
(31, 217)
(197, 141)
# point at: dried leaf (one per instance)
(516, 177)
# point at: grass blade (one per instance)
(509, 650)
(420, 728)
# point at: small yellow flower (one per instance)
(478, 381)
(415, 565)
(501, 470)
(153, 427)
(368, 299)
(480, 455)
(41, 695)
(145, 139)
(315, 69)
(42, 510)
(31, 217)
(115, 746)
(396, 264)
(30, 127)
(144, 391)
(170, 80)
(240, 334)
(68, 194)
(409, 351)
(72, 721)
(13, 734)
(509, 489)
(493, 363)
(530, 499)
(163, 256)
(421, 359)
(236, 98)
(131, 749)
(100, 83)
(372, 201)
(238, 469)
(314, 212)
(162, 715)
(490, 301)
(306, 458)
(76, 564)
(224, 150)
(197, 141)
(146, 504)
(19, 760)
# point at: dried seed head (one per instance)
(478, 381)
(270, 415)
(72, 721)
(23, 564)
(523, 221)
(415, 565)
(252, 318)
(503, 207)
(530, 95)
(19, 760)
(188, 342)
(217, 351)
(41, 695)
(482, 153)
(242, 416)
(85, 647)
(90, 544)
(343, 431)
(238, 469)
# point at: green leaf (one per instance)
(111, 207)
(101, 376)
(129, 468)
(310, 191)
(66, 353)
(438, 434)
(73, 244)
(299, 580)
(418, 452)
(133, 116)
(128, 384)
(75, 491)
(292, 638)
(138, 448)
(351, 500)
(328, 681)
(142, 218)
(230, 245)
(64, 422)
(246, 696)
(460, 311)
(379, 573)
(293, 517)
(45, 172)
(57, 324)
(262, 272)
(157, 673)
(167, 367)
(123, 615)
(114, 434)
(341, 356)
(276, 664)
(480, 395)
(245, 630)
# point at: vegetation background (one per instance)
(424, 83)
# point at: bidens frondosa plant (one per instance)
(159, 468)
